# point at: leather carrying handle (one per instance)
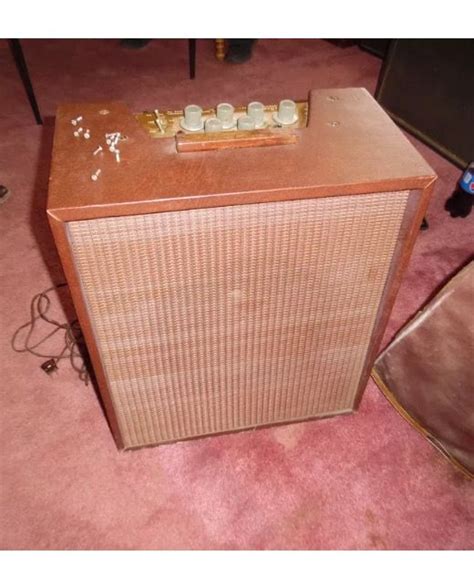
(188, 143)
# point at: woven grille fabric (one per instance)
(220, 319)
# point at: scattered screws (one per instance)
(87, 134)
(75, 121)
(113, 143)
(112, 138)
(78, 132)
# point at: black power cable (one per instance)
(73, 346)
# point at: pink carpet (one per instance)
(366, 481)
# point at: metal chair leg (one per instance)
(192, 58)
(19, 58)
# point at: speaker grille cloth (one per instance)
(226, 318)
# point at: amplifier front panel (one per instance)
(220, 319)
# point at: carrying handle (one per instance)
(188, 143)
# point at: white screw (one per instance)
(87, 134)
(98, 150)
(95, 176)
(74, 121)
(112, 138)
(157, 121)
(78, 131)
(117, 156)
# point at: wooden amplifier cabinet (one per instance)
(227, 289)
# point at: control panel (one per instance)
(225, 118)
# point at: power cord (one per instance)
(74, 347)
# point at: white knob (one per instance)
(256, 111)
(192, 118)
(225, 113)
(213, 125)
(245, 123)
(287, 113)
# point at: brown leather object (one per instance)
(228, 289)
(427, 372)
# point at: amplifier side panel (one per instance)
(220, 319)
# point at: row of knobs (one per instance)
(224, 120)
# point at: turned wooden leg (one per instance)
(220, 49)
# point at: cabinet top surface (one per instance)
(350, 146)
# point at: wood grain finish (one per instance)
(349, 152)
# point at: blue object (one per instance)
(467, 180)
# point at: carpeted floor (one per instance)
(366, 481)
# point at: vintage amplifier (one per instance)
(233, 267)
